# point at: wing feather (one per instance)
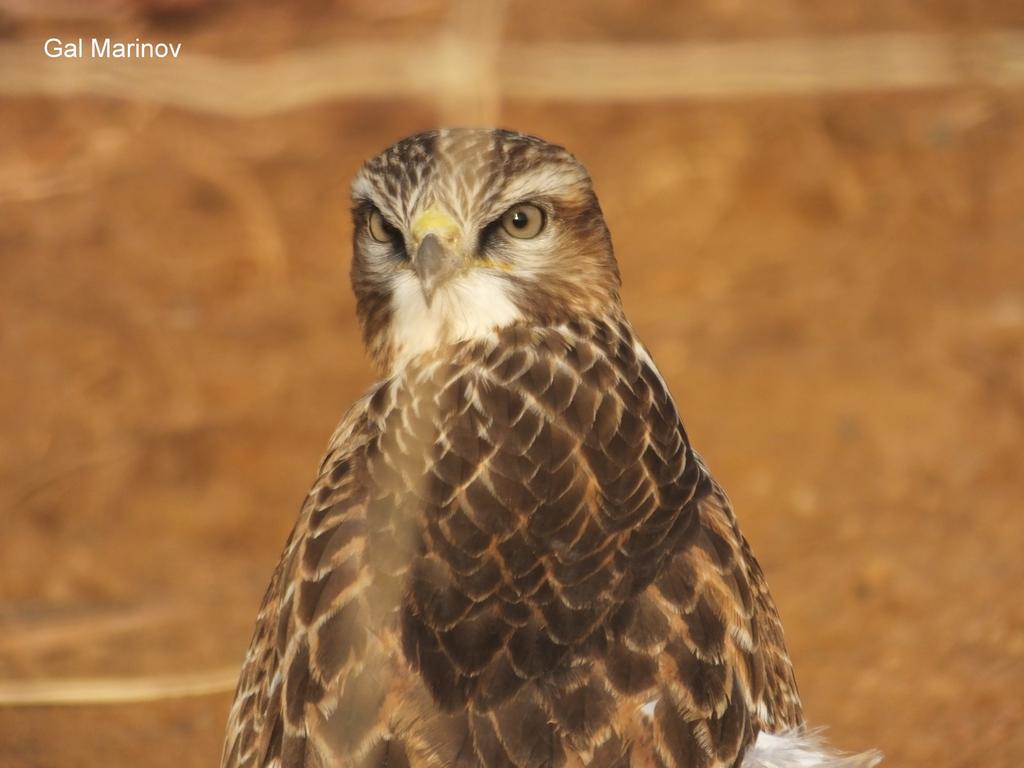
(513, 557)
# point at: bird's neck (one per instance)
(466, 310)
(448, 342)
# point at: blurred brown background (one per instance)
(819, 213)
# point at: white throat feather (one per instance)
(471, 306)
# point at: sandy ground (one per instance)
(832, 285)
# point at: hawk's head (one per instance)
(461, 231)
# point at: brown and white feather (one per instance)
(510, 551)
(511, 556)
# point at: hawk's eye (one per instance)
(380, 229)
(523, 221)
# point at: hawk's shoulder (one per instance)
(512, 556)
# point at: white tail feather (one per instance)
(803, 749)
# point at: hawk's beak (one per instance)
(434, 264)
(436, 259)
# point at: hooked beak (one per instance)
(435, 260)
(434, 264)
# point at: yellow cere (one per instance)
(435, 222)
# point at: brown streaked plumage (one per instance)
(511, 555)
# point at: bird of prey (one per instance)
(511, 555)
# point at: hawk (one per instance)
(511, 555)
